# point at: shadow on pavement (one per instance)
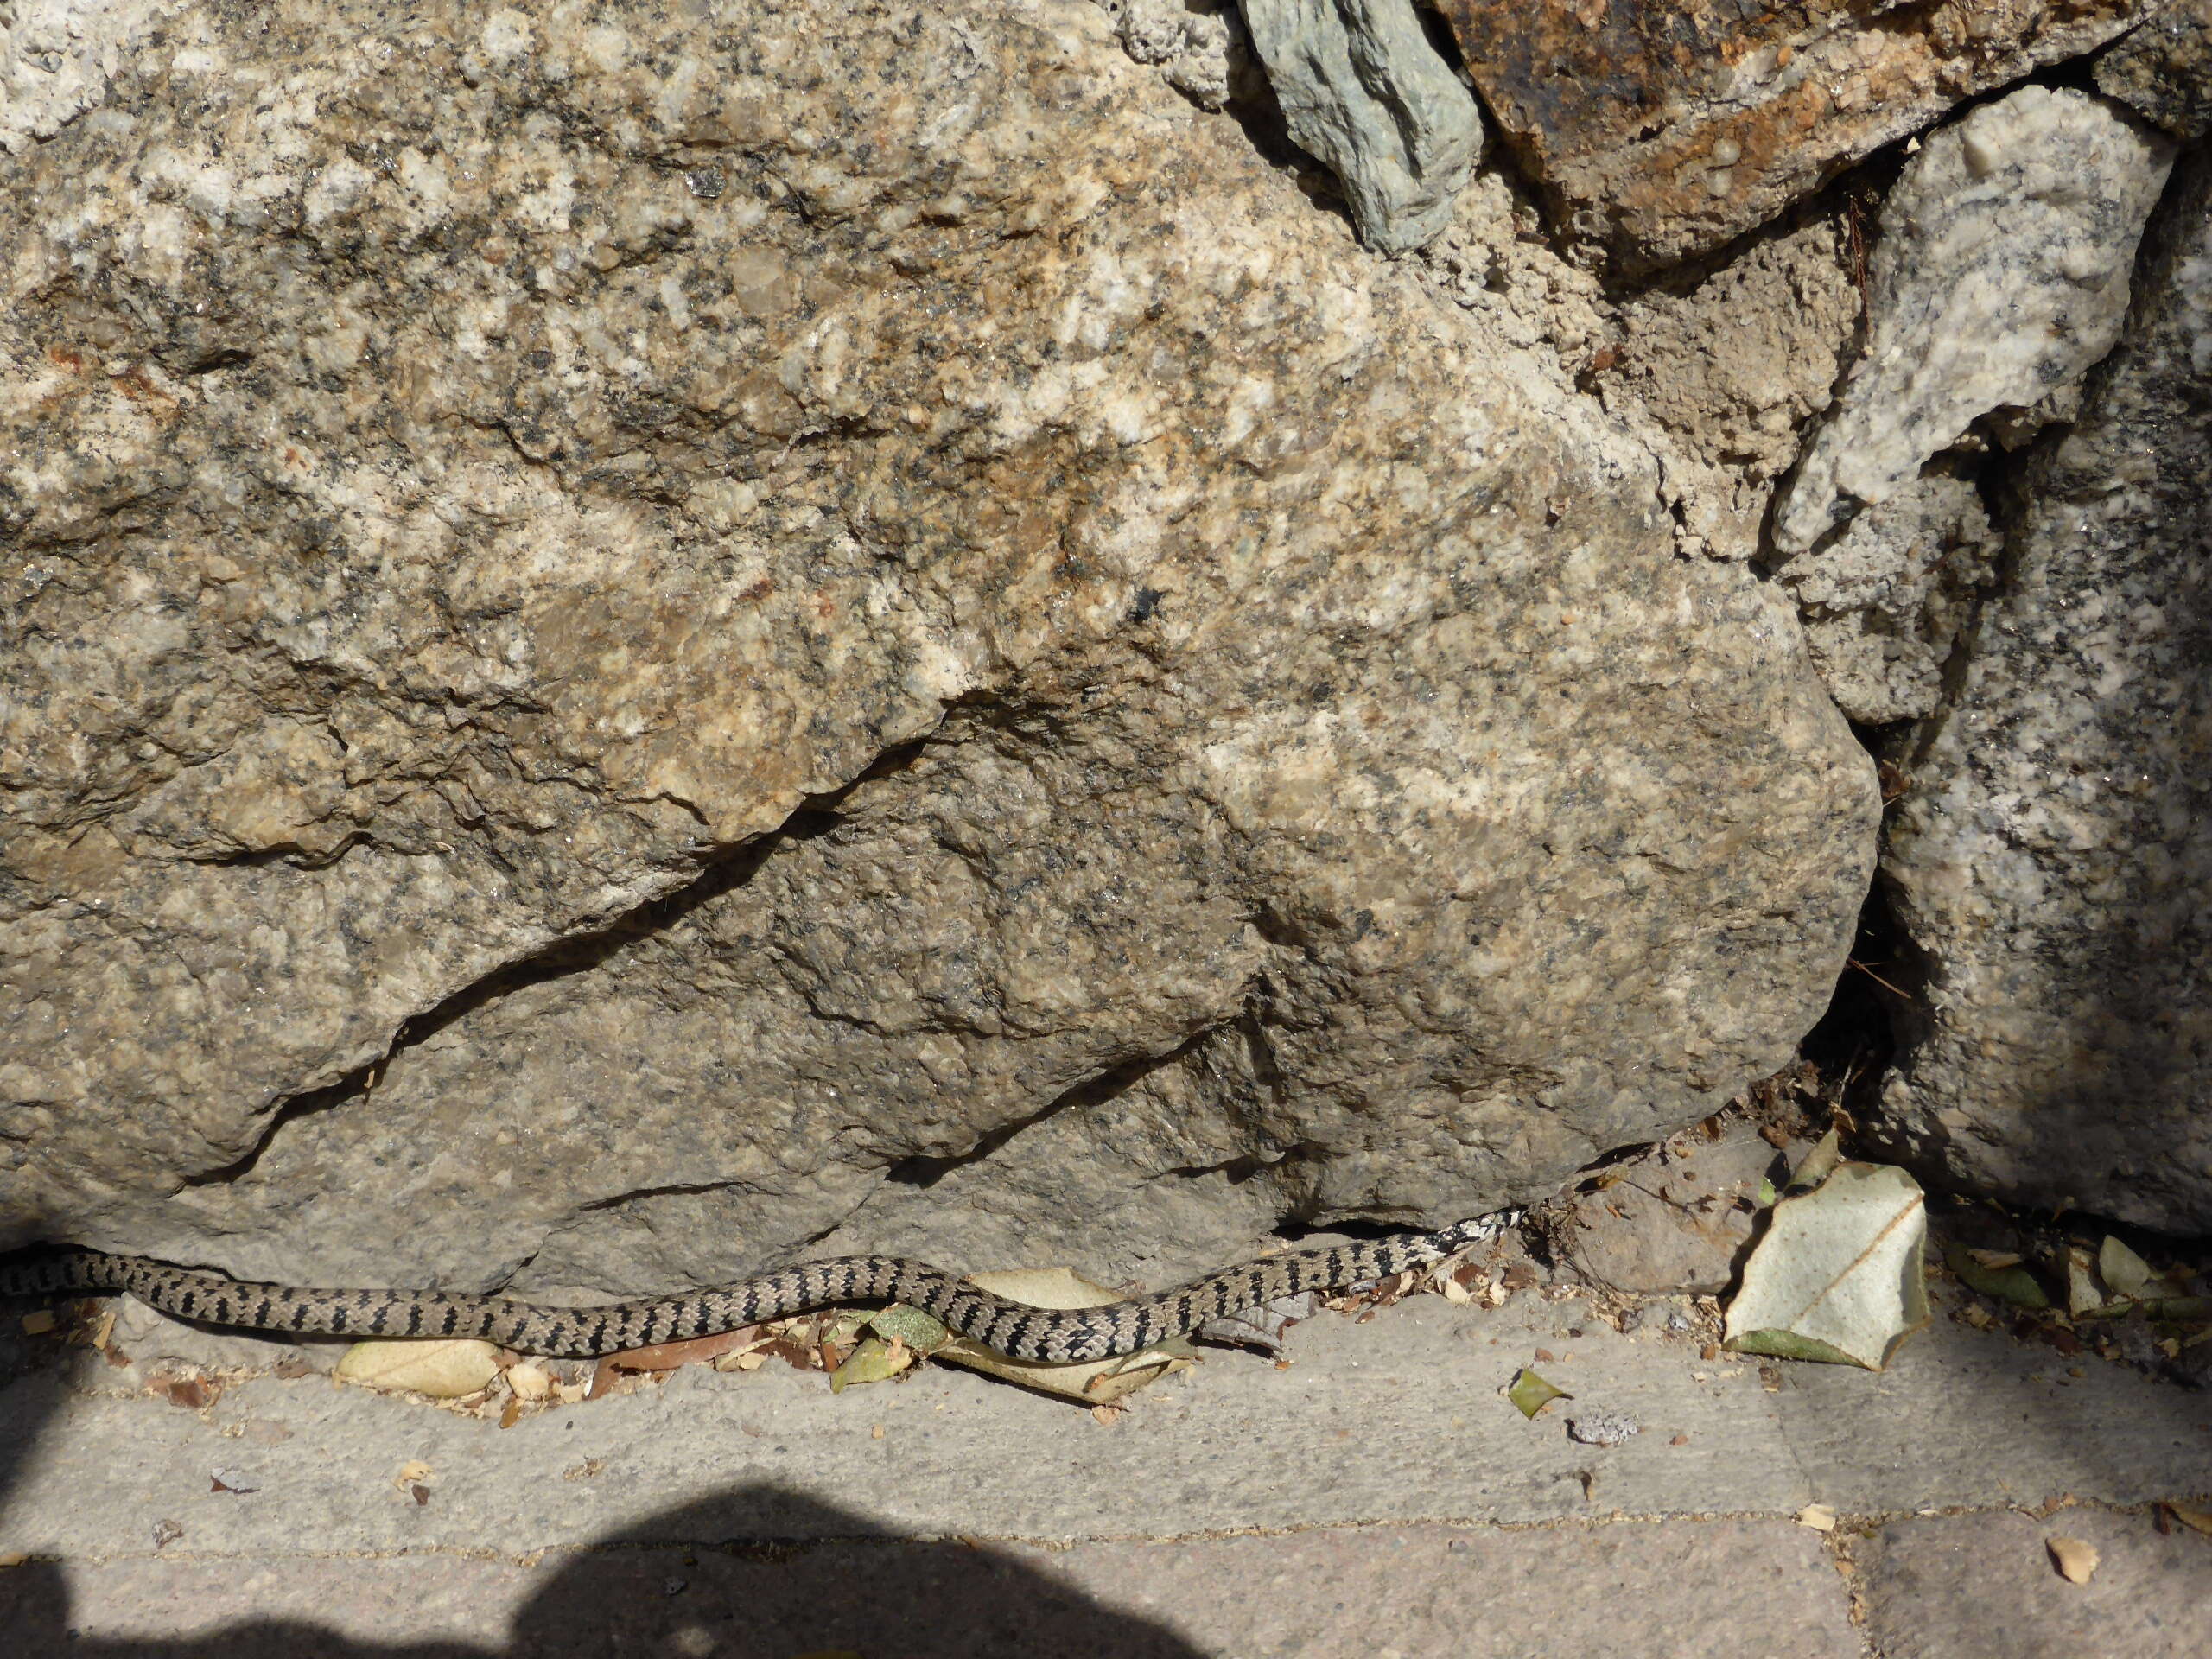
(715, 1595)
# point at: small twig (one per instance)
(1877, 978)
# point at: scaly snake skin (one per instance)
(1019, 1331)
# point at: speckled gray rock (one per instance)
(1883, 602)
(55, 59)
(2163, 70)
(491, 598)
(2053, 863)
(2001, 276)
(1361, 88)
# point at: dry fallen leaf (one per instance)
(444, 1369)
(39, 1321)
(1819, 1516)
(1261, 1327)
(529, 1381)
(193, 1393)
(667, 1355)
(1107, 1416)
(2195, 1520)
(1820, 1163)
(2076, 1562)
(410, 1474)
(607, 1377)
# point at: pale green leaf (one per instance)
(2125, 1272)
(1839, 1276)
(872, 1362)
(1095, 1383)
(2015, 1284)
(1530, 1393)
(921, 1331)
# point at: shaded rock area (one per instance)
(2163, 70)
(634, 649)
(1661, 132)
(2001, 277)
(2053, 862)
(1884, 602)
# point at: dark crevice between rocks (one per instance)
(926, 1172)
(1297, 1229)
(1876, 997)
(817, 816)
(1500, 159)
(291, 856)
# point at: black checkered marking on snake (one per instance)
(1021, 1331)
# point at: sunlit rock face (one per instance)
(636, 645)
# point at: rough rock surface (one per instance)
(1733, 366)
(471, 473)
(2053, 863)
(1361, 88)
(2163, 70)
(2001, 276)
(1662, 131)
(1884, 602)
(1199, 46)
(1679, 1221)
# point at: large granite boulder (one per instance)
(637, 645)
(2052, 864)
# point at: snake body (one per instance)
(1048, 1336)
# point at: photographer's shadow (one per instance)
(696, 1582)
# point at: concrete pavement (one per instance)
(1375, 1495)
